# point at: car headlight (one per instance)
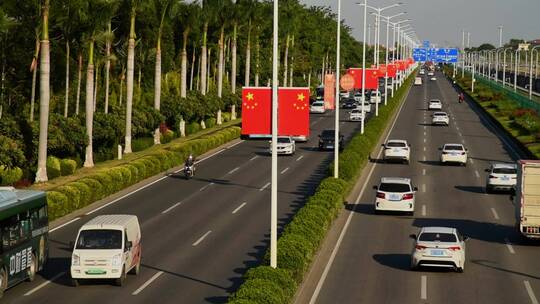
(75, 260)
(116, 260)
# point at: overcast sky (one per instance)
(441, 21)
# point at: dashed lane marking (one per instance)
(300, 157)
(56, 277)
(143, 286)
(201, 238)
(285, 170)
(264, 187)
(423, 287)
(509, 246)
(171, 208)
(423, 210)
(239, 207)
(530, 292)
(495, 215)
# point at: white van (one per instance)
(375, 97)
(107, 247)
(418, 81)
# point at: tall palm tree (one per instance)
(188, 16)
(208, 13)
(44, 94)
(134, 5)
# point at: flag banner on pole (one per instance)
(329, 91)
(392, 68)
(256, 110)
(372, 78)
(293, 112)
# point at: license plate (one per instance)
(454, 154)
(96, 271)
(437, 252)
(505, 178)
(330, 146)
(395, 150)
(394, 197)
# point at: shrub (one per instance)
(73, 195)
(143, 143)
(167, 136)
(97, 189)
(225, 116)
(261, 291)
(53, 167)
(192, 128)
(85, 193)
(67, 166)
(10, 176)
(279, 276)
(56, 202)
(106, 182)
(210, 122)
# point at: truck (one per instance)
(527, 198)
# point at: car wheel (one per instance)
(137, 269)
(75, 282)
(459, 269)
(120, 281)
(31, 272)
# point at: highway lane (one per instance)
(194, 247)
(372, 264)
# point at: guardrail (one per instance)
(523, 101)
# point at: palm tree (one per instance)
(208, 13)
(5, 24)
(44, 94)
(188, 17)
(134, 4)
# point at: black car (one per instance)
(326, 140)
(349, 103)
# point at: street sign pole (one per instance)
(336, 137)
(364, 69)
(273, 194)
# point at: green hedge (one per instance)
(10, 176)
(67, 166)
(54, 169)
(82, 192)
(302, 237)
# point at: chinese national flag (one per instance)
(372, 78)
(293, 113)
(392, 70)
(256, 110)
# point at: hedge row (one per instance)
(82, 192)
(302, 237)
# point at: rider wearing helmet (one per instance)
(461, 97)
(190, 161)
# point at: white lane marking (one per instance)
(349, 218)
(476, 173)
(495, 215)
(423, 171)
(424, 133)
(264, 187)
(463, 140)
(143, 286)
(423, 287)
(158, 180)
(424, 158)
(425, 127)
(342, 123)
(423, 187)
(233, 170)
(254, 157)
(459, 133)
(300, 157)
(424, 140)
(285, 170)
(423, 210)
(425, 149)
(44, 284)
(65, 224)
(171, 207)
(530, 292)
(204, 188)
(239, 207)
(472, 161)
(509, 246)
(201, 238)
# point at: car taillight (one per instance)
(380, 195)
(462, 153)
(492, 176)
(408, 196)
(420, 247)
(454, 248)
(444, 152)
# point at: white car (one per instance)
(440, 118)
(367, 107)
(454, 153)
(417, 81)
(375, 97)
(358, 97)
(395, 194)
(433, 78)
(356, 115)
(438, 247)
(317, 107)
(501, 177)
(422, 72)
(285, 145)
(344, 94)
(435, 104)
(430, 73)
(397, 149)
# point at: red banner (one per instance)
(293, 111)
(329, 91)
(392, 68)
(372, 78)
(256, 110)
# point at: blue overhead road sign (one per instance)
(426, 44)
(419, 54)
(437, 55)
(446, 55)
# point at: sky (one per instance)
(442, 21)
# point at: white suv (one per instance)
(395, 194)
(501, 177)
(317, 107)
(396, 149)
(435, 104)
(438, 247)
(285, 145)
(454, 153)
(440, 118)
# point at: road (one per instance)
(373, 259)
(198, 236)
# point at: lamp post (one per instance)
(462, 53)
(336, 127)
(273, 193)
(500, 35)
(516, 69)
(473, 63)
(504, 65)
(531, 70)
(386, 56)
(363, 66)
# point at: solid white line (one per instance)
(233, 170)
(44, 284)
(530, 292)
(345, 227)
(201, 238)
(423, 210)
(65, 224)
(143, 286)
(299, 158)
(423, 171)
(495, 215)
(285, 170)
(253, 157)
(171, 208)
(423, 288)
(239, 207)
(264, 187)
(476, 173)
(423, 187)
(509, 246)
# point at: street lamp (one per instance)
(336, 104)
(363, 67)
(531, 69)
(386, 56)
(504, 65)
(273, 192)
(516, 69)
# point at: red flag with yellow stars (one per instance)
(293, 112)
(256, 110)
(372, 78)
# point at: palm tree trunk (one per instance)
(66, 101)
(257, 61)
(199, 69)
(157, 88)
(89, 107)
(44, 96)
(122, 77)
(107, 70)
(96, 86)
(79, 81)
(233, 60)
(34, 68)
(248, 56)
(207, 68)
(220, 72)
(192, 70)
(130, 74)
(203, 60)
(292, 63)
(285, 62)
(183, 72)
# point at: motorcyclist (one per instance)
(190, 162)
(461, 97)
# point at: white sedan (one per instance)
(395, 194)
(501, 177)
(285, 145)
(356, 115)
(435, 104)
(317, 107)
(396, 149)
(438, 247)
(375, 97)
(440, 118)
(433, 78)
(367, 107)
(454, 153)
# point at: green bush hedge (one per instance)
(10, 176)
(192, 128)
(142, 143)
(54, 169)
(302, 237)
(67, 166)
(77, 194)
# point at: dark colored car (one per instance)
(327, 138)
(349, 103)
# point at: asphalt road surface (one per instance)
(373, 260)
(199, 236)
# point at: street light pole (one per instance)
(386, 57)
(504, 65)
(531, 70)
(336, 128)
(516, 69)
(273, 194)
(364, 69)
(500, 35)
(473, 70)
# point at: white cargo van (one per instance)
(418, 81)
(527, 199)
(107, 247)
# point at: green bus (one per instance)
(24, 228)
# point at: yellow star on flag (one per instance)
(249, 96)
(301, 96)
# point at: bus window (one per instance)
(26, 228)
(39, 217)
(10, 232)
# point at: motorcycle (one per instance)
(188, 172)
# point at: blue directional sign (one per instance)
(426, 44)
(419, 54)
(446, 55)
(437, 55)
